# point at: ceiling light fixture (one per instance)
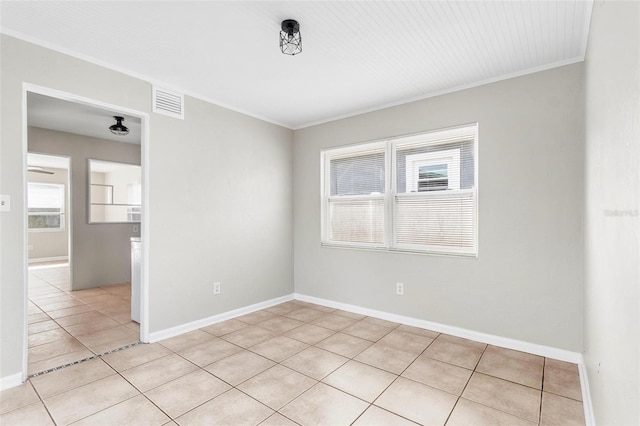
(119, 128)
(290, 39)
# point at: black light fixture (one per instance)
(119, 128)
(290, 39)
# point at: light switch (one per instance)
(5, 203)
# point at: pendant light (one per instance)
(119, 128)
(290, 38)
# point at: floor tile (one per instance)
(512, 398)
(471, 413)
(278, 348)
(277, 419)
(386, 358)
(132, 412)
(305, 314)
(280, 324)
(360, 380)
(255, 318)
(324, 405)
(347, 314)
(406, 341)
(34, 414)
(58, 360)
(158, 372)
(276, 386)
(239, 367)
(80, 318)
(36, 339)
(72, 377)
(334, 322)
(248, 336)
(61, 346)
(81, 402)
(230, 408)
(185, 340)
(39, 317)
(379, 417)
(314, 362)
(455, 350)
(367, 330)
(417, 402)
(70, 311)
(16, 397)
(96, 323)
(39, 327)
(344, 344)
(110, 338)
(309, 333)
(224, 327)
(514, 366)
(136, 355)
(187, 392)
(562, 378)
(438, 374)
(283, 308)
(209, 351)
(560, 411)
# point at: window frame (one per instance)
(62, 189)
(467, 132)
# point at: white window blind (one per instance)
(431, 201)
(45, 206)
(355, 196)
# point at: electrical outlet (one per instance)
(216, 288)
(399, 289)
(136, 228)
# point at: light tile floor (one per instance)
(67, 326)
(298, 363)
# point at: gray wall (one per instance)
(220, 197)
(101, 253)
(526, 283)
(48, 244)
(612, 255)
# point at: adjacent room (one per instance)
(330, 213)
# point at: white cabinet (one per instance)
(136, 257)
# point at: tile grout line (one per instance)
(100, 355)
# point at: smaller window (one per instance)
(433, 171)
(45, 206)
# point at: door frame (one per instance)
(144, 225)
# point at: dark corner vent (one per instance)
(168, 103)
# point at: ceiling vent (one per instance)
(168, 103)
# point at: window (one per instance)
(45, 206)
(415, 193)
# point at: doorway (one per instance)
(72, 315)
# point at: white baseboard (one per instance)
(518, 345)
(11, 381)
(589, 416)
(49, 259)
(194, 325)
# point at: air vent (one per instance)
(168, 103)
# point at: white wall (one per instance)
(101, 253)
(612, 255)
(51, 243)
(526, 283)
(220, 197)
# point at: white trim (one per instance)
(11, 381)
(144, 234)
(504, 342)
(194, 325)
(49, 259)
(587, 403)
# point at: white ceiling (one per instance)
(357, 55)
(64, 116)
(48, 161)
